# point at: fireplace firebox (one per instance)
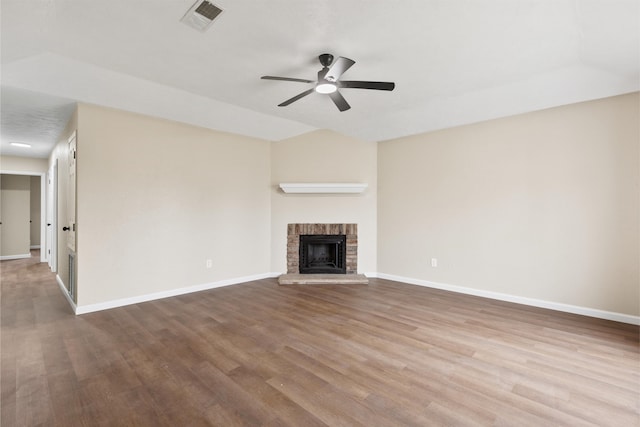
(323, 254)
(350, 249)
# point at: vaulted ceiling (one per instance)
(453, 62)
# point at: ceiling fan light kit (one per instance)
(326, 87)
(329, 82)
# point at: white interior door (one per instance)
(71, 195)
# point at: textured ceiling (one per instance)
(453, 62)
(32, 118)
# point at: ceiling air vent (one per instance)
(201, 15)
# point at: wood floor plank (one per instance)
(287, 411)
(260, 354)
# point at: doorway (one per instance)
(16, 219)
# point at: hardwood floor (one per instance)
(260, 354)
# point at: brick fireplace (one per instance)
(294, 231)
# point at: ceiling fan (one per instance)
(329, 81)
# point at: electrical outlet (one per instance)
(209, 263)
(434, 262)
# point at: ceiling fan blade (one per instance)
(338, 67)
(339, 100)
(287, 79)
(367, 85)
(295, 98)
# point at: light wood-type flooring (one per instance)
(261, 354)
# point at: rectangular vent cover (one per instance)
(201, 15)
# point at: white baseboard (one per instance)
(567, 308)
(89, 308)
(19, 256)
(35, 246)
(63, 288)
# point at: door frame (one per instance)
(43, 205)
(52, 208)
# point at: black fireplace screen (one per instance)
(324, 254)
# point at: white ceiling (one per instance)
(453, 62)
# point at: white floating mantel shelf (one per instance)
(326, 188)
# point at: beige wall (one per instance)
(542, 205)
(156, 199)
(319, 157)
(23, 164)
(15, 196)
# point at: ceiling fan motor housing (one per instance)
(326, 59)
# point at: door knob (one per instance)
(65, 229)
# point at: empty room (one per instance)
(329, 213)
